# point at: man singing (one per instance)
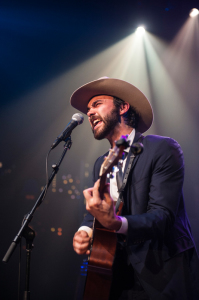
(156, 259)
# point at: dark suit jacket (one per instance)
(159, 242)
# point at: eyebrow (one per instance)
(93, 104)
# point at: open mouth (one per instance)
(96, 123)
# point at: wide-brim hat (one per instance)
(116, 88)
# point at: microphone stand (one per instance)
(29, 233)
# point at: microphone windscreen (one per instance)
(78, 117)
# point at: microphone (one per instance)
(77, 119)
(137, 148)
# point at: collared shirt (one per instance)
(113, 183)
(114, 192)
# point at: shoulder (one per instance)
(161, 142)
(161, 148)
(158, 139)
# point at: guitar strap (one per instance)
(122, 184)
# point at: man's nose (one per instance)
(91, 112)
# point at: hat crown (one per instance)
(104, 77)
(115, 88)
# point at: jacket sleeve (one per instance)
(164, 193)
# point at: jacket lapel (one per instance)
(138, 135)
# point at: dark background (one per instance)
(45, 53)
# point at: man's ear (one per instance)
(124, 108)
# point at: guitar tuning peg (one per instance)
(110, 176)
(120, 162)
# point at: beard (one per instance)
(109, 123)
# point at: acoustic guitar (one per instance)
(104, 241)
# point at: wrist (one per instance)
(118, 223)
(86, 229)
(124, 227)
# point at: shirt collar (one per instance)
(130, 139)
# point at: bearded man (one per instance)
(157, 257)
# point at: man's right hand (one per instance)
(81, 242)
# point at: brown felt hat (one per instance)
(116, 88)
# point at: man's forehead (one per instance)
(99, 97)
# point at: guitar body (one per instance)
(99, 274)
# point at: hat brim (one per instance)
(116, 88)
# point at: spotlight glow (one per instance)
(194, 12)
(140, 30)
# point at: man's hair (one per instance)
(131, 117)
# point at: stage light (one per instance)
(140, 30)
(194, 12)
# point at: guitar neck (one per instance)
(114, 156)
(102, 185)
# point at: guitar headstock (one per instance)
(114, 156)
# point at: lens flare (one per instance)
(140, 30)
(194, 12)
